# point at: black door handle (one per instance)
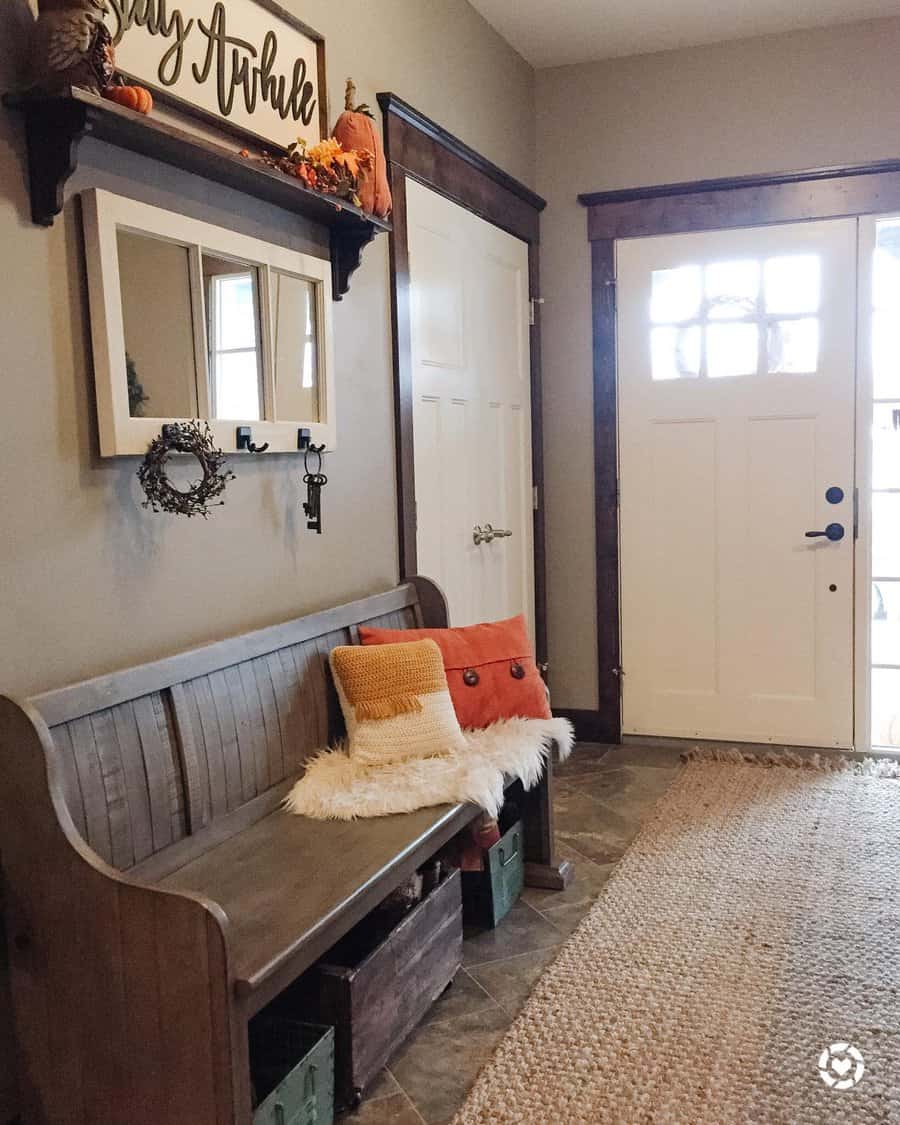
(835, 532)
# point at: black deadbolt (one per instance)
(834, 495)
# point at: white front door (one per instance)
(471, 409)
(736, 440)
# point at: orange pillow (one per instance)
(490, 669)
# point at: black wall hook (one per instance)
(244, 440)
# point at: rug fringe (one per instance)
(791, 759)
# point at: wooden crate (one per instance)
(375, 1003)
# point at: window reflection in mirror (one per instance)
(295, 347)
(231, 290)
(157, 318)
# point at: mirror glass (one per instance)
(160, 360)
(295, 347)
(231, 292)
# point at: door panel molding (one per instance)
(419, 148)
(683, 208)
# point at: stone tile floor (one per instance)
(603, 795)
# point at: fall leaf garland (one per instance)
(326, 166)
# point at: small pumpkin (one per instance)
(132, 97)
(356, 130)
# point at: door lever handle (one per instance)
(834, 532)
(488, 534)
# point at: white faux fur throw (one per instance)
(335, 787)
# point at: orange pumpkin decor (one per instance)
(356, 131)
(132, 97)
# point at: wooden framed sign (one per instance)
(247, 66)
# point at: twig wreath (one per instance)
(162, 495)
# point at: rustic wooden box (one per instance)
(375, 1003)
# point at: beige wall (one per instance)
(89, 580)
(793, 101)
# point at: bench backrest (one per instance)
(157, 762)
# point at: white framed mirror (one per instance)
(190, 320)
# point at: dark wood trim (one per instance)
(537, 459)
(763, 179)
(424, 126)
(417, 147)
(403, 395)
(722, 204)
(748, 201)
(590, 726)
(606, 487)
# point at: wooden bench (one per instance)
(158, 896)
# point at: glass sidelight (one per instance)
(885, 489)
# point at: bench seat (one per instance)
(284, 881)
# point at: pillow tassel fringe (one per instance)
(388, 708)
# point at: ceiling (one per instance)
(573, 31)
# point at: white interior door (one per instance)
(736, 418)
(471, 408)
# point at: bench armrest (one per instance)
(104, 968)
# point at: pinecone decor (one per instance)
(71, 46)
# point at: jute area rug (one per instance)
(754, 924)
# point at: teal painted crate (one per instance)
(488, 895)
(292, 1065)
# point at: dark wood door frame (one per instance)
(417, 147)
(746, 201)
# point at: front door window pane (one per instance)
(675, 294)
(732, 349)
(675, 352)
(886, 623)
(886, 446)
(886, 535)
(886, 707)
(792, 284)
(793, 346)
(732, 289)
(886, 353)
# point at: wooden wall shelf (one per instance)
(55, 127)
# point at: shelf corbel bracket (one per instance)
(53, 133)
(347, 245)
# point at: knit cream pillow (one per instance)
(395, 701)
